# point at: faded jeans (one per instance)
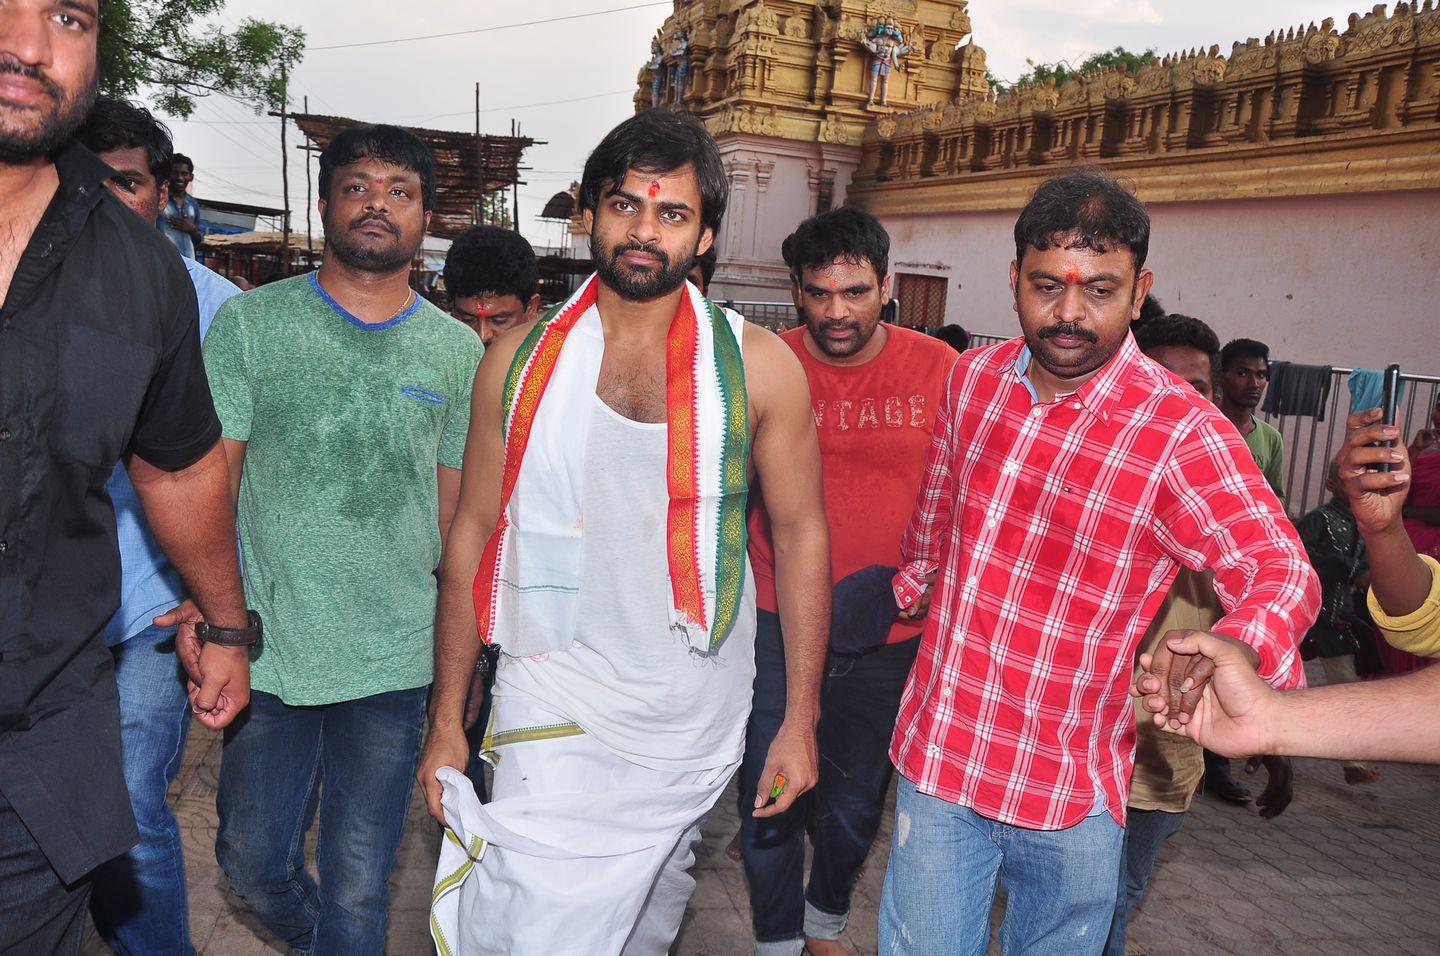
(946, 860)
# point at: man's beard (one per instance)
(1088, 359)
(22, 143)
(639, 285)
(840, 350)
(369, 257)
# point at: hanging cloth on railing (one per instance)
(1367, 389)
(1297, 390)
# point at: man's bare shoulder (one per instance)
(773, 373)
(763, 349)
(502, 350)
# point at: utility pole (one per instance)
(284, 173)
(479, 160)
(515, 187)
(309, 236)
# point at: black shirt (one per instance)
(99, 355)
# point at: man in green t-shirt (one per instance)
(344, 400)
(1244, 374)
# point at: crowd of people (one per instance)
(573, 571)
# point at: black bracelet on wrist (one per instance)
(248, 636)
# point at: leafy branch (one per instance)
(154, 43)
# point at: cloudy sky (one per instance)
(568, 82)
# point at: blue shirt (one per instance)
(187, 209)
(149, 583)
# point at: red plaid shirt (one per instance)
(1058, 528)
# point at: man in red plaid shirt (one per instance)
(1069, 478)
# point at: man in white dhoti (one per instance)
(600, 542)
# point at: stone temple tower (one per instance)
(788, 88)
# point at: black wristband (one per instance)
(249, 636)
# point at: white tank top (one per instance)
(635, 686)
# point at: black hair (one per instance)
(1150, 310)
(658, 141)
(388, 144)
(706, 261)
(1243, 349)
(954, 336)
(179, 158)
(1180, 330)
(491, 259)
(846, 233)
(119, 124)
(1085, 209)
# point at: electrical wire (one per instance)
(502, 26)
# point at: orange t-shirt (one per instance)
(874, 422)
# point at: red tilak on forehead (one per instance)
(654, 188)
(1072, 275)
(833, 283)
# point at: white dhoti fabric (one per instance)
(579, 851)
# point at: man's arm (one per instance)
(476, 512)
(183, 489)
(923, 537)
(191, 512)
(786, 454)
(1396, 719)
(447, 483)
(1213, 510)
(1401, 581)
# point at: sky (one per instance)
(567, 83)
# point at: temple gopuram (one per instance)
(1294, 180)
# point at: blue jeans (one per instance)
(138, 900)
(1145, 833)
(944, 864)
(859, 702)
(353, 763)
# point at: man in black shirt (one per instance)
(99, 360)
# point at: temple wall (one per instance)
(774, 185)
(1345, 280)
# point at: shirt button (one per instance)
(991, 523)
(1075, 405)
(944, 692)
(4, 433)
(973, 581)
(933, 750)
(4, 546)
(1037, 411)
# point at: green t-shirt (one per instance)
(344, 424)
(1268, 450)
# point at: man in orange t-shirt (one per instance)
(873, 389)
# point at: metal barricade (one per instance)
(1310, 444)
(980, 340)
(775, 316)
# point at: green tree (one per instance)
(156, 43)
(1101, 62)
(496, 211)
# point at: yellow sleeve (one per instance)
(1419, 631)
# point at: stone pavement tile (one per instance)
(714, 932)
(711, 894)
(236, 933)
(1341, 872)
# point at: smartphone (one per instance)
(1390, 404)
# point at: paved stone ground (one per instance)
(1344, 871)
